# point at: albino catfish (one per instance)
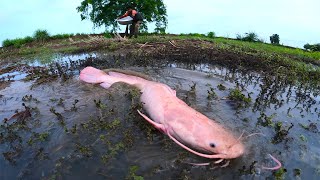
(187, 127)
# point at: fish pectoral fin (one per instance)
(158, 126)
(105, 85)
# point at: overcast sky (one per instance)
(296, 21)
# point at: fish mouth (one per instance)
(210, 156)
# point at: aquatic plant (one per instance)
(250, 170)
(113, 150)
(265, 120)
(73, 130)
(28, 98)
(132, 173)
(114, 124)
(59, 116)
(311, 127)
(85, 150)
(99, 104)
(241, 99)
(38, 137)
(221, 87)
(280, 174)
(74, 108)
(297, 172)
(211, 94)
(302, 137)
(193, 88)
(281, 132)
(134, 93)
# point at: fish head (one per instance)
(209, 139)
(223, 149)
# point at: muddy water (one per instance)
(66, 129)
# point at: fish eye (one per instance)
(212, 145)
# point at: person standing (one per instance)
(137, 19)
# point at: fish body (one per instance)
(187, 127)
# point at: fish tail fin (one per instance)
(93, 75)
(96, 76)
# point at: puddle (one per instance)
(13, 76)
(69, 129)
(60, 58)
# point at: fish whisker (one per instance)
(275, 167)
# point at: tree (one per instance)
(104, 12)
(275, 39)
(312, 47)
(251, 37)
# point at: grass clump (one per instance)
(17, 43)
(7, 43)
(41, 35)
(62, 36)
(107, 35)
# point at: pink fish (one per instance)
(184, 125)
(187, 127)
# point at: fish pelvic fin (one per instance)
(158, 126)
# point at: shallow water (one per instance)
(79, 130)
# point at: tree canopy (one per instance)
(104, 12)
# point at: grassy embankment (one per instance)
(294, 60)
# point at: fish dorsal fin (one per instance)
(129, 72)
